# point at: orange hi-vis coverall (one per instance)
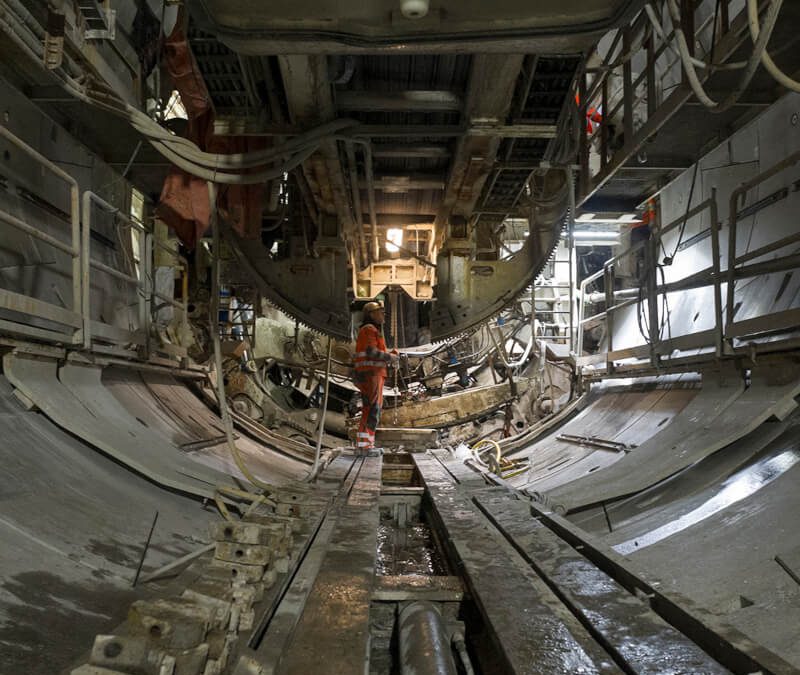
(370, 373)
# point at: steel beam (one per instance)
(405, 218)
(399, 101)
(310, 102)
(636, 637)
(489, 95)
(405, 183)
(534, 639)
(414, 151)
(634, 142)
(720, 640)
(254, 125)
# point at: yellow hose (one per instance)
(221, 506)
(487, 441)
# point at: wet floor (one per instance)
(406, 550)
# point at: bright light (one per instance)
(394, 238)
(592, 238)
(625, 218)
(588, 234)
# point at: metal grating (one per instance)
(222, 71)
(545, 84)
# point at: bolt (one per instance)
(794, 119)
(112, 650)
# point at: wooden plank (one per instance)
(529, 636)
(332, 635)
(639, 639)
(417, 587)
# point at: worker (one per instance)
(371, 362)
(640, 232)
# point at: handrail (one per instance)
(73, 250)
(78, 318)
(90, 198)
(725, 330)
(733, 259)
(616, 301)
(144, 283)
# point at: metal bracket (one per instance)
(107, 33)
(596, 442)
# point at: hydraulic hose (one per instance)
(781, 77)
(214, 331)
(178, 150)
(659, 29)
(752, 62)
(476, 453)
(231, 178)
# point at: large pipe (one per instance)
(424, 644)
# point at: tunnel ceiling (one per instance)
(447, 25)
(459, 108)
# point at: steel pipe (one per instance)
(424, 644)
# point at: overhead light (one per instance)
(394, 238)
(593, 238)
(175, 108)
(624, 219)
(589, 234)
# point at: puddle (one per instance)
(406, 550)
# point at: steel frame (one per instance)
(720, 340)
(596, 95)
(145, 288)
(82, 329)
(76, 317)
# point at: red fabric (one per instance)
(184, 205)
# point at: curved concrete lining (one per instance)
(722, 413)
(169, 407)
(142, 436)
(627, 418)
